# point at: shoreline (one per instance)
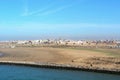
(60, 66)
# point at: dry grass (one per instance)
(83, 57)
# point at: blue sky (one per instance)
(73, 19)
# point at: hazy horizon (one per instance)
(66, 19)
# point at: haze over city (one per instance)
(78, 19)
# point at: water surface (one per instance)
(11, 72)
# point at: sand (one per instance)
(93, 58)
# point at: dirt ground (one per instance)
(95, 58)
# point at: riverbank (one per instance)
(60, 66)
(63, 58)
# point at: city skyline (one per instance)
(78, 19)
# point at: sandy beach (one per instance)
(91, 58)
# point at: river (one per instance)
(12, 72)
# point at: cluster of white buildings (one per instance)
(58, 42)
(55, 42)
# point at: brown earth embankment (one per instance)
(64, 58)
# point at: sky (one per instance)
(66, 19)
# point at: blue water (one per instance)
(10, 72)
